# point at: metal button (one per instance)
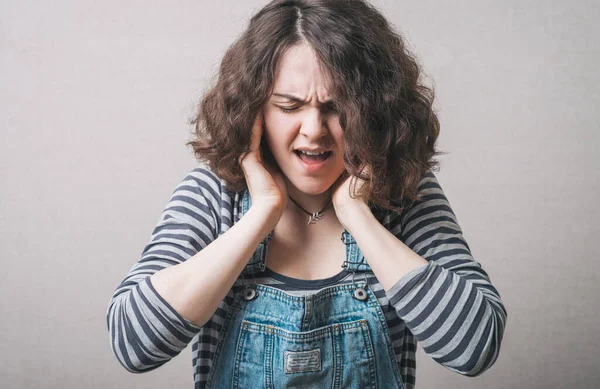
(249, 294)
(360, 294)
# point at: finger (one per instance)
(255, 138)
(256, 133)
(241, 157)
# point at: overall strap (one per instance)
(257, 262)
(355, 260)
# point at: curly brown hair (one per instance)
(386, 112)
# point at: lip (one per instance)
(319, 150)
(313, 167)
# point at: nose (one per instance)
(314, 125)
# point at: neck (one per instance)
(293, 223)
(311, 203)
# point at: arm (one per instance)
(183, 274)
(425, 265)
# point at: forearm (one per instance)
(447, 301)
(459, 320)
(196, 287)
(185, 272)
(388, 257)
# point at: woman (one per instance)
(318, 103)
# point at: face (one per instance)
(300, 120)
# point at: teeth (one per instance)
(311, 153)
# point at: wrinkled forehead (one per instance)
(299, 72)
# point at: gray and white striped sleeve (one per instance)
(145, 331)
(449, 304)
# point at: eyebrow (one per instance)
(297, 99)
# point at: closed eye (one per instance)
(287, 110)
(327, 108)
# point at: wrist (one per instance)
(353, 213)
(265, 216)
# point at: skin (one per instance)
(196, 297)
(311, 124)
(299, 114)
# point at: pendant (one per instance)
(315, 217)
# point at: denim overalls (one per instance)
(336, 338)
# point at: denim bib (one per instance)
(335, 338)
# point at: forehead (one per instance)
(298, 71)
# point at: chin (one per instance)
(312, 186)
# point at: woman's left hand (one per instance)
(344, 205)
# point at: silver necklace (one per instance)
(313, 216)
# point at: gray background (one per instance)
(95, 97)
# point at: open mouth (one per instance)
(313, 157)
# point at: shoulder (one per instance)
(202, 176)
(428, 188)
(203, 181)
(205, 194)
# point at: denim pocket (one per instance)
(335, 356)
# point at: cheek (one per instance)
(279, 129)
(270, 125)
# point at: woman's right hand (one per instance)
(266, 183)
